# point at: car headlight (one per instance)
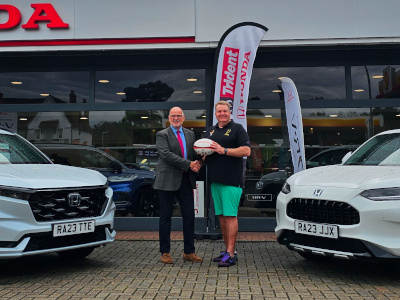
(22, 194)
(122, 177)
(286, 188)
(382, 194)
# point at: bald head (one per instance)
(176, 117)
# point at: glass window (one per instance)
(14, 150)
(44, 87)
(313, 83)
(128, 136)
(150, 86)
(373, 82)
(385, 118)
(329, 133)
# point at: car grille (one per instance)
(43, 241)
(54, 205)
(322, 211)
(340, 244)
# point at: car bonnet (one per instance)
(41, 176)
(362, 177)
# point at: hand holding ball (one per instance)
(203, 147)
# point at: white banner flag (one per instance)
(294, 124)
(236, 53)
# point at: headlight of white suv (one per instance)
(286, 188)
(16, 193)
(382, 194)
(122, 177)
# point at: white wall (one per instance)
(290, 22)
(303, 21)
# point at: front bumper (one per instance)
(46, 243)
(22, 235)
(342, 248)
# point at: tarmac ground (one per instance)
(130, 268)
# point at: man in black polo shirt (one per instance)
(225, 172)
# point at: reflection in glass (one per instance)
(128, 136)
(313, 83)
(44, 87)
(329, 133)
(374, 82)
(150, 86)
(385, 118)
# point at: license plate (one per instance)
(317, 229)
(64, 229)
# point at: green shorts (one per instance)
(226, 199)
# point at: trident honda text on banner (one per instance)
(294, 124)
(234, 63)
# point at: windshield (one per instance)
(15, 150)
(380, 150)
(85, 158)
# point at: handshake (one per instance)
(195, 166)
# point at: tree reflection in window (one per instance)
(157, 91)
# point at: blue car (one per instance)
(133, 192)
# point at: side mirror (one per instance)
(344, 158)
(115, 166)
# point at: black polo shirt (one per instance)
(222, 168)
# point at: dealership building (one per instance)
(105, 74)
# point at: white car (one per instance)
(46, 207)
(348, 211)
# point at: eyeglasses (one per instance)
(176, 116)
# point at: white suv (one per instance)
(347, 211)
(46, 207)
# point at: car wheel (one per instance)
(76, 254)
(149, 203)
(314, 257)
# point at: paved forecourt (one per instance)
(130, 269)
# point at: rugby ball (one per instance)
(203, 147)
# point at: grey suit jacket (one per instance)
(171, 164)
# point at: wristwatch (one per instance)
(226, 151)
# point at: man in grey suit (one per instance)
(176, 177)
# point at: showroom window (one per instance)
(375, 82)
(128, 136)
(150, 86)
(44, 87)
(329, 133)
(313, 83)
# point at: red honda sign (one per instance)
(43, 12)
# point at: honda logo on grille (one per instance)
(317, 193)
(74, 199)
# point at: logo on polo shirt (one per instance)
(227, 132)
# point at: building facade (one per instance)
(106, 75)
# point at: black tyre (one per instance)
(149, 203)
(76, 254)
